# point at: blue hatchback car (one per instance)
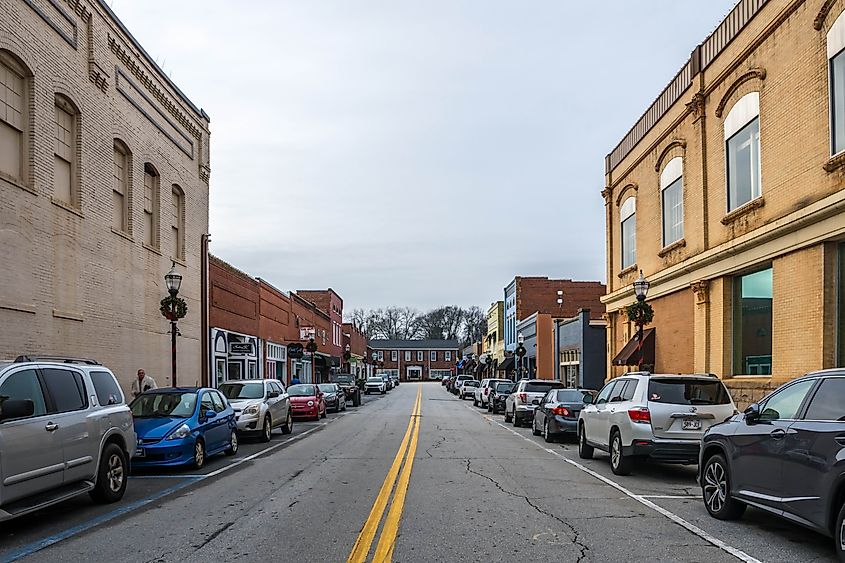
(182, 426)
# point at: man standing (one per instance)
(295, 380)
(143, 383)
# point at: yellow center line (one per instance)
(365, 539)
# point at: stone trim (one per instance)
(631, 186)
(673, 144)
(21, 308)
(758, 73)
(5, 178)
(151, 249)
(701, 288)
(818, 23)
(674, 246)
(66, 207)
(626, 271)
(836, 161)
(69, 315)
(122, 234)
(756, 203)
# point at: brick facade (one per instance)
(539, 295)
(399, 356)
(329, 302)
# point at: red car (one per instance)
(306, 401)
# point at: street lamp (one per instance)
(173, 308)
(520, 352)
(347, 355)
(312, 349)
(641, 286)
(556, 346)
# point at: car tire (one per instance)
(356, 399)
(534, 427)
(474, 403)
(585, 450)
(384, 392)
(111, 475)
(233, 443)
(267, 429)
(515, 419)
(489, 406)
(716, 492)
(287, 427)
(344, 406)
(620, 464)
(548, 438)
(507, 415)
(199, 454)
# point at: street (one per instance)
(479, 490)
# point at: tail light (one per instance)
(523, 397)
(640, 415)
(561, 411)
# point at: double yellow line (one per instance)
(387, 540)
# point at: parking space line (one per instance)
(739, 554)
(697, 497)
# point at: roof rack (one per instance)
(57, 359)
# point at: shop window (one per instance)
(840, 321)
(177, 222)
(836, 65)
(742, 147)
(121, 185)
(628, 218)
(752, 323)
(151, 206)
(12, 102)
(66, 121)
(672, 201)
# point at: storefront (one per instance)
(276, 363)
(235, 356)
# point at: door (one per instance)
(215, 430)
(595, 421)
(758, 445)
(235, 370)
(78, 432)
(274, 404)
(547, 403)
(32, 459)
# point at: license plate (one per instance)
(692, 424)
(140, 452)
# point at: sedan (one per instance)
(498, 396)
(260, 406)
(557, 413)
(334, 396)
(182, 426)
(306, 401)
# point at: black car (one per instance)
(498, 396)
(347, 382)
(557, 413)
(785, 455)
(334, 396)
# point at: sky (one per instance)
(415, 153)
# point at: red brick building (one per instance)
(357, 342)
(329, 302)
(416, 360)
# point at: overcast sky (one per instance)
(419, 152)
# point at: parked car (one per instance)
(394, 378)
(182, 426)
(388, 383)
(260, 405)
(445, 380)
(307, 401)
(557, 413)
(644, 415)
(449, 382)
(519, 406)
(458, 381)
(482, 393)
(350, 388)
(498, 396)
(468, 388)
(334, 396)
(375, 384)
(783, 455)
(65, 430)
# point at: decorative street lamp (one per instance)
(640, 313)
(173, 308)
(311, 347)
(520, 351)
(347, 356)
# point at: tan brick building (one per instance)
(104, 170)
(728, 195)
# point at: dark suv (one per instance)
(347, 382)
(784, 455)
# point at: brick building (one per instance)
(728, 195)
(104, 170)
(329, 302)
(357, 342)
(416, 360)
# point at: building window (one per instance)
(841, 313)
(177, 222)
(407, 355)
(752, 323)
(380, 356)
(742, 145)
(433, 356)
(12, 89)
(120, 187)
(628, 218)
(151, 203)
(836, 63)
(65, 163)
(447, 356)
(672, 201)
(419, 356)
(394, 356)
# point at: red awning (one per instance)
(630, 354)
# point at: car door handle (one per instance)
(51, 427)
(778, 434)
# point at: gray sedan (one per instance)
(260, 405)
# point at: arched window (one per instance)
(177, 222)
(151, 206)
(628, 223)
(13, 77)
(742, 151)
(672, 200)
(121, 187)
(836, 63)
(66, 152)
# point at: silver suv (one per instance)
(65, 430)
(519, 406)
(644, 415)
(260, 405)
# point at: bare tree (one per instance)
(474, 326)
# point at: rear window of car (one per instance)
(687, 392)
(67, 389)
(541, 387)
(108, 393)
(572, 395)
(504, 387)
(471, 384)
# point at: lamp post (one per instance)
(641, 286)
(375, 360)
(489, 361)
(520, 352)
(312, 349)
(347, 355)
(557, 334)
(173, 308)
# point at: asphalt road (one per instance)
(468, 488)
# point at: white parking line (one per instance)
(698, 497)
(739, 554)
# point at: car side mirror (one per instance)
(535, 402)
(16, 409)
(210, 414)
(752, 413)
(588, 399)
(273, 395)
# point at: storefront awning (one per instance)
(630, 354)
(506, 365)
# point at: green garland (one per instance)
(173, 308)
(640, 313)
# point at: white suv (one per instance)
(482, 393)
(662, 417)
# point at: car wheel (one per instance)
(287, 427)
(266, 429)
(507, 415)
(111, 475)
(620, 464)
(384, 391)
(356, 400)
(344, 406)
(534, 427)
(546, 436)
(233, 443)
(585, 450)
(839, 534)
(515, 419)
(199, 454)
(716, 491)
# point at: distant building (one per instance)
(416, 360)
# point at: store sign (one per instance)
(307, 333)
(295, 351)
(241, 348)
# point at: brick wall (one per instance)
(274, 322)
(539, 295)
(233, 298)
(357, 340)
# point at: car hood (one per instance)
(158, 427)
(241, 404)
(302, 399)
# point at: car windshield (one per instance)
(687, 392)
(344, 379)
(375, 380)
(541, 386)
(162, 405)
(243, 390)
(502, 388)
(471, 384)
(327, 387)
(302, 391)
(572, 395)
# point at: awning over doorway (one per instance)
(630, 354)
(506, 365)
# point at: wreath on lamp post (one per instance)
(640, 313)
(173, 308)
